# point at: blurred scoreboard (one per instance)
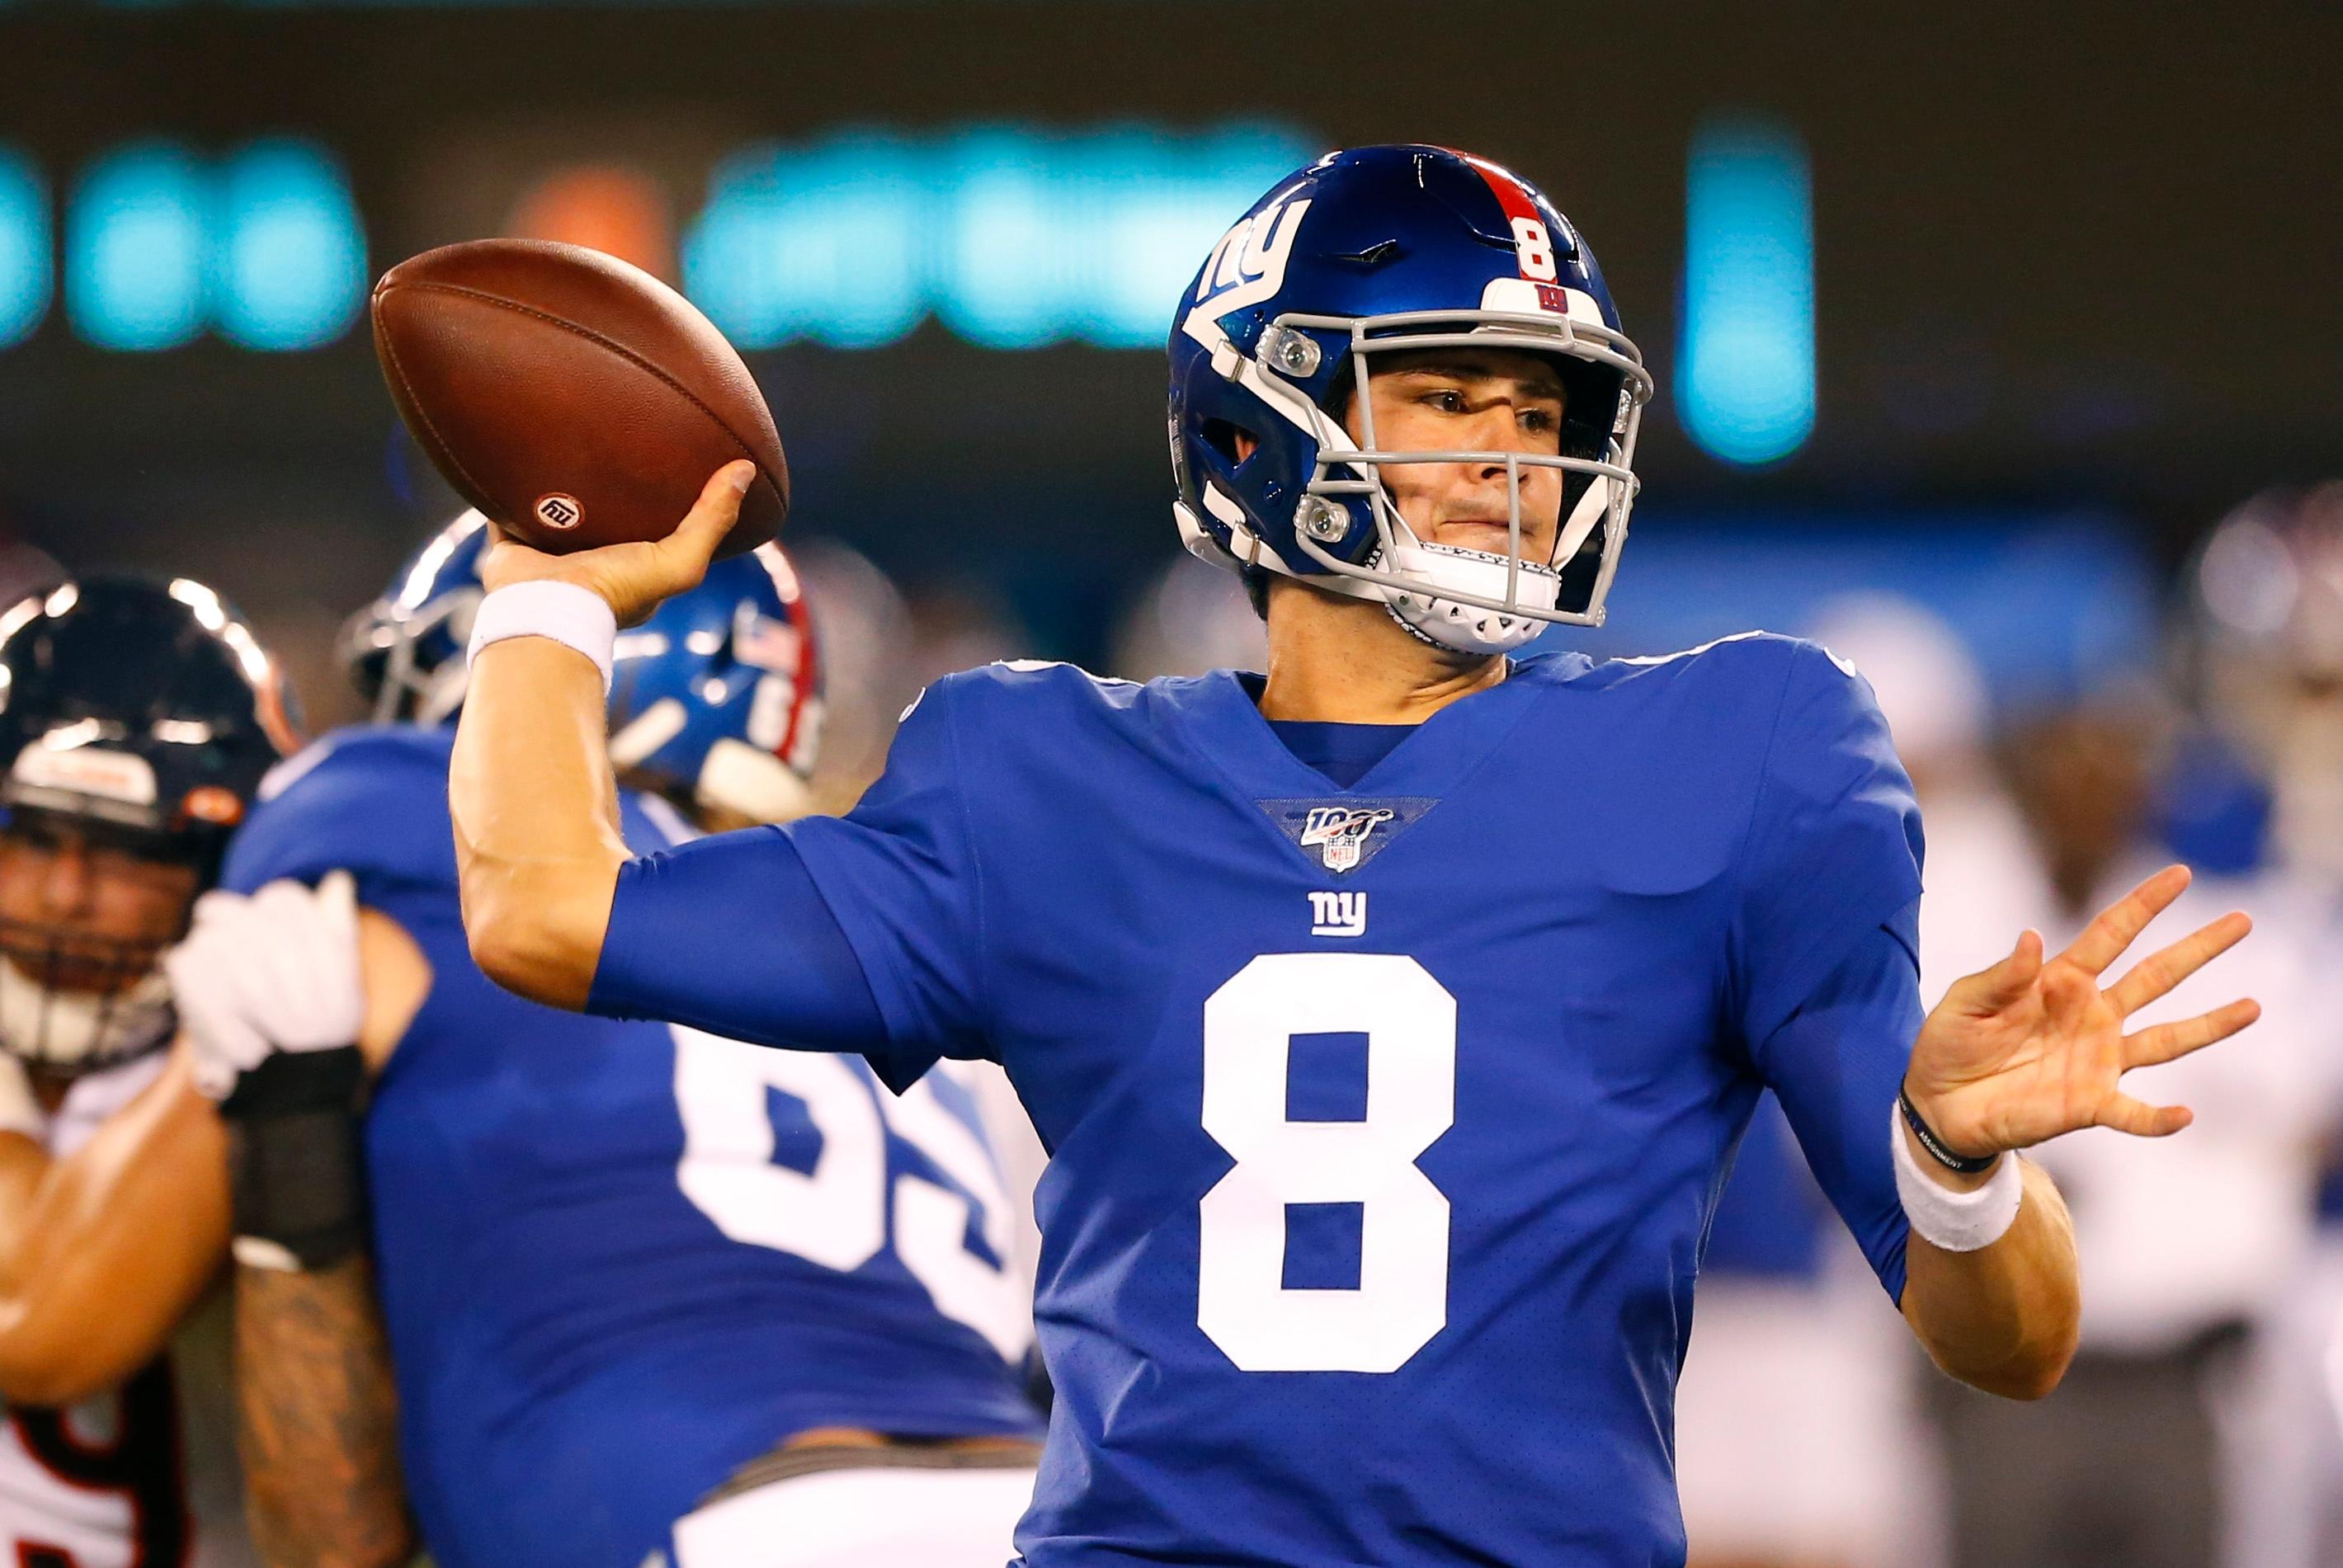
(156, 244)
(1861, 247)
(1013, 238)
(1009, 236)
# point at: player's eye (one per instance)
(1447, 399)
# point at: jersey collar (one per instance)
(1221, 716)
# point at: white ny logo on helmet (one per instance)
(1247, 266)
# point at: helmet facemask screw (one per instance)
(1295, 354)
(1322, 519)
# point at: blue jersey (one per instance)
(1769, 1222)
(618, 1260)
(1387, 1121)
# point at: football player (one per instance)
(136, 720)
(1392, 1018)
(645, 1290)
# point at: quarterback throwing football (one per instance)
(1392, 1016)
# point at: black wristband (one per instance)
(1937, 1149)
(296, 1169)
(298, 1080)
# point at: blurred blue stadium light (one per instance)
(134, 248)
(1013, 237)
(1746, 371)
(26, 277)
(819, 242)
(290, 269)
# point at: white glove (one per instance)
(276, 970)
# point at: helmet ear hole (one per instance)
(1233, 441)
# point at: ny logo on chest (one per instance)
(1338, 914)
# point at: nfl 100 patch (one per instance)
(1344, 835)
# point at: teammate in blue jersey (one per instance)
(1392, 1018)
(645, 1290)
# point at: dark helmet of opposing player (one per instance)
(715, 700)
(1368, 252)
(137, 715)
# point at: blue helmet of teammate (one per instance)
(715, 700)
(1388, 249)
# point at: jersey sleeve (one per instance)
(1826, 933)
(901, 876)
(729, 934)
(834, 933)
(1835, 1064)
(1834, 849)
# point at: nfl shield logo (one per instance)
(1339, 832)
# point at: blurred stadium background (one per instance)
(1971, 323)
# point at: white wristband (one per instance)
(1956, 1221)
(571, 616)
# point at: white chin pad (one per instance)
(1466, 628)
(63, 1028)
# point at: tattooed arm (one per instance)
(318, 1409)
(318, 1419)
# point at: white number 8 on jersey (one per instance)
(1402, 1299)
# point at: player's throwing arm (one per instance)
(537, 846)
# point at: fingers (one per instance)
(2105, 939)
(2159, 972)
(2126, 1114)
(2165, 1041)
(1996, 988)
(694, 539)
(338, 892)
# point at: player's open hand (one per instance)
(2028, 1050)
(632, 579)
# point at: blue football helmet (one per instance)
(715, 700)
(1371, 251)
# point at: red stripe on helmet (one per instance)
(1512, 196)
(799, 617)
(805, 679)
(1511, 193)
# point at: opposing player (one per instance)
(136, 720)
(644, 1289)
(1393, 1018)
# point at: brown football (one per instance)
(576, 399)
